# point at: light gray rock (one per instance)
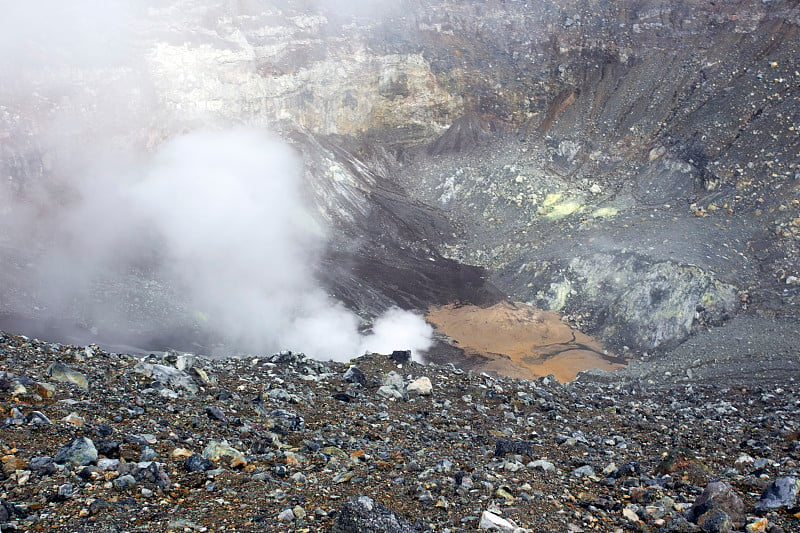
(63, 373)
(168, 376)
(79, 452)
(780, 493)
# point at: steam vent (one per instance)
(400, 266)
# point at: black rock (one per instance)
(718, 496)
(108, 448)
(103, 430)
(42, 465)
(355, 375)
(99, 506)
(154, 473)
(6, 511)
(343, 397)
(505, 446)
(285, 421)
(197, 463)
(628, 469)
(363, 515)
(215, 413)
(401, 357)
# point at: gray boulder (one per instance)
(363, 515)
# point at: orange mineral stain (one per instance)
(520, 341)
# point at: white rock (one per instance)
(421, 386)
(498, 523)
(547, 466)
(630, 515)
(286, 516)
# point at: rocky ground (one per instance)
(97, 441)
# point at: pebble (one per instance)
(780, 493)
(362, 514)
(492, 521)
(355, 375)
(583, 471)
(286, 515)
(717, 499)
(62, 373)
(421, 386)
(79, 452)
(216, 451)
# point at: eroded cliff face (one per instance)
(631, 164)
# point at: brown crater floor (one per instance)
(517, 340)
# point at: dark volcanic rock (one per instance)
(363, 515)
(717, 499)
(505, 446)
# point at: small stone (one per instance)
(759, 526)
(126, 482)
(503, 492)
(185, 361)
(215, 413)
(79, 452)
(185, 525)
(168, 375)
(62, 373)
(286, 515)
(355, 375)
(180, 453)
(343, 477)
(217, 450)
(715, 521)
(298, 512)
(504, 446)
(390, 393)
(393, 380)
(45, 390)
(285, 422)
(38, 418)
(717, 496)
(107, 464)
(583, 471)
(630, 515)
(17, 418)
(490, 520)
(74, 419)
(65, 491)
(543, 465)
(12, 463)
(362, 515)
(148, 454)
(401, 357)
(421, 386)
(780, 493)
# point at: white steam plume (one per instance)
(217, 218)
(221, 217)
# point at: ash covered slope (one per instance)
(96, 441)
(649, 187)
